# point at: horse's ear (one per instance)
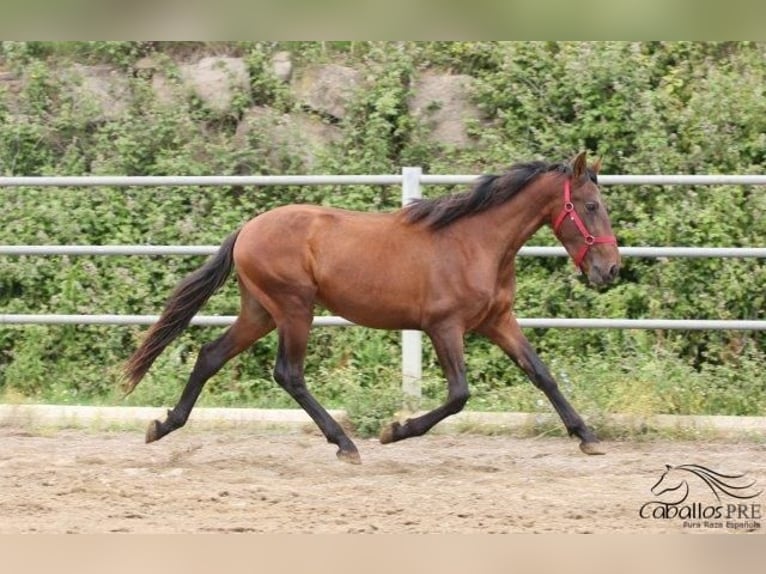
(578, 165)
(596, 166)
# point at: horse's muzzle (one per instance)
(602, 275)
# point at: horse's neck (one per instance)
(505, 228)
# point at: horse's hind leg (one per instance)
(252, 324)
(288, 372)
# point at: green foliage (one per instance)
(265, 87)
(369, 406)
(654, 107)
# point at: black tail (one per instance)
(187, 298)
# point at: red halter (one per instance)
(590, 240)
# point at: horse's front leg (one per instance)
(505, 332)
(448, 344)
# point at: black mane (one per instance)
(489, 191)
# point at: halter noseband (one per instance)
(570, 213)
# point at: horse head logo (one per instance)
(675, 481)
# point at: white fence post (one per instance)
(412, 341)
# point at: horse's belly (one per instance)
(372, 309)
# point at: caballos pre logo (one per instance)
(703, 498)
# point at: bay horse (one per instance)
(445, 266)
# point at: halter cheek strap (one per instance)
(569, 213)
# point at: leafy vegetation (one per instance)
(652, 107)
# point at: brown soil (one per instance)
(261, 481)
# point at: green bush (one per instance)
(653, 107)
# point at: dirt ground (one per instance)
(237, 480)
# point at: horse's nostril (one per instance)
(613, 271)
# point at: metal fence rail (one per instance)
(393, 179)
(411, 179)
(333, 321)
(526, 251)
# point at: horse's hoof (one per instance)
(387, 435)
(592, 447)
(349, 456)
(153, 432)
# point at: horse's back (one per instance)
(299, 227)
(354, 263)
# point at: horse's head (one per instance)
(581, 222)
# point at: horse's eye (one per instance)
(591, 206)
